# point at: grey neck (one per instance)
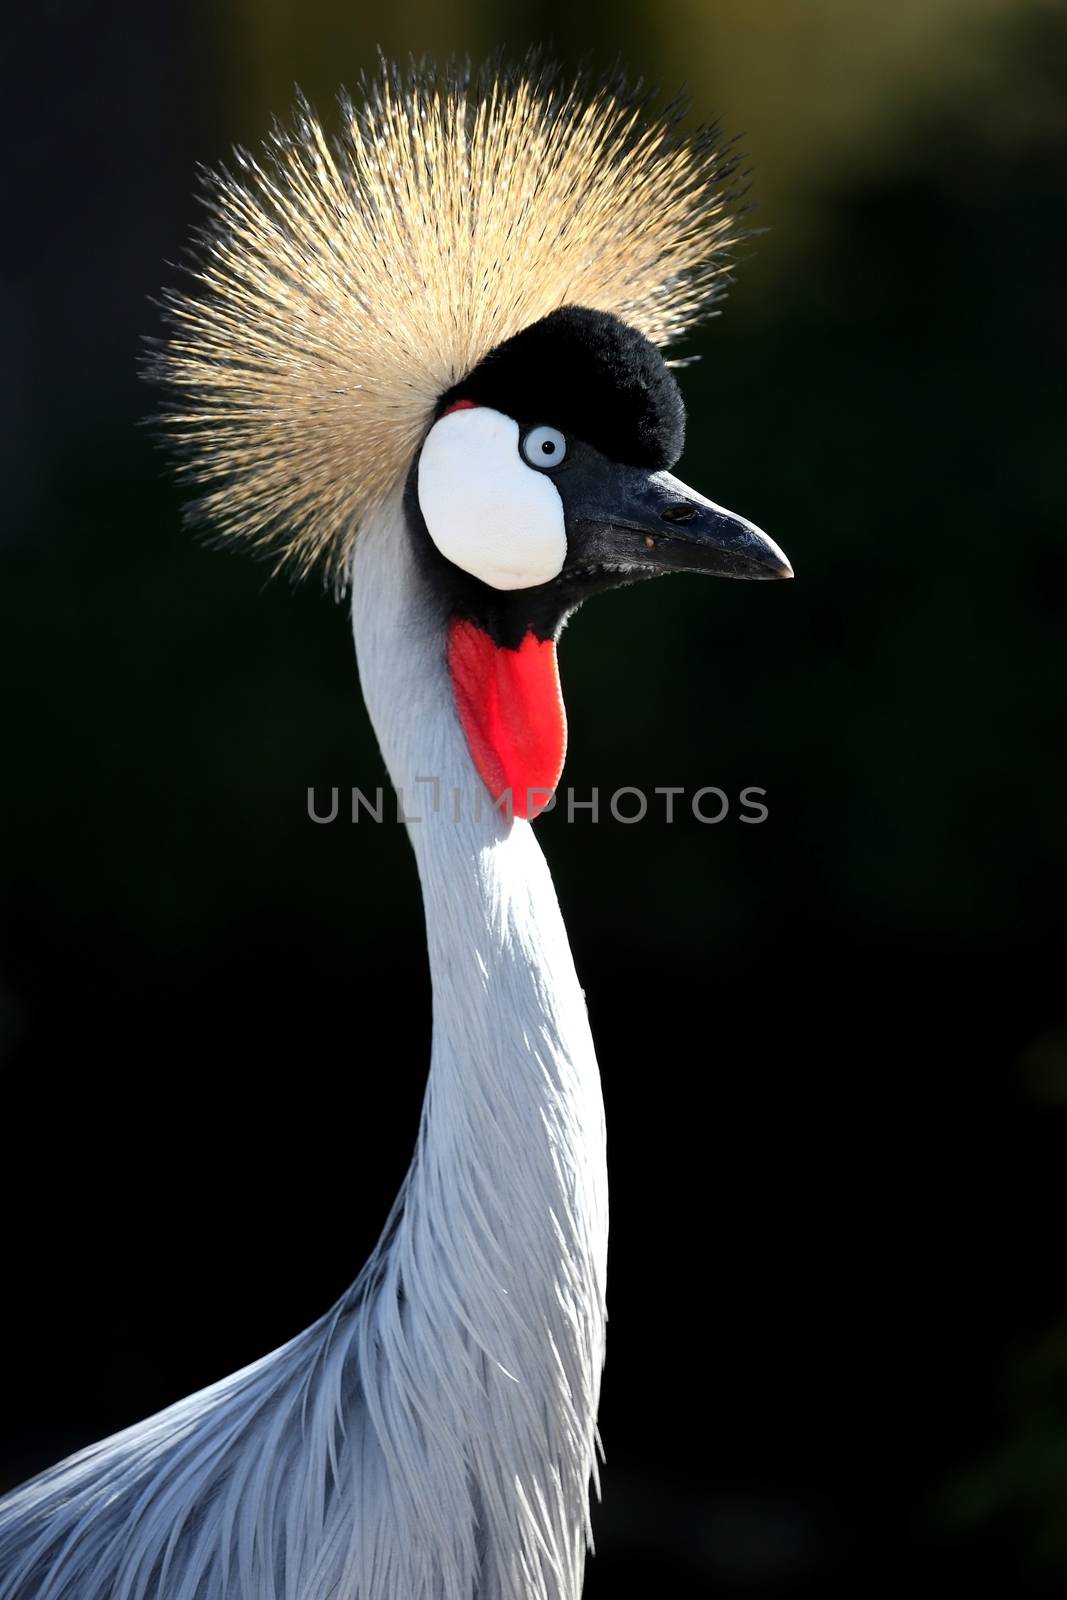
(498, 1254)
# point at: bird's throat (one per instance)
(511, 709)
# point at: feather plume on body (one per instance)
(433, 1436)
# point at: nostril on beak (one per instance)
(678, 511)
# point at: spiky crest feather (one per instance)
(341, 287)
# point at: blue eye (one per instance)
(543, 447)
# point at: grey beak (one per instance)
(696, 535)
(652, 522)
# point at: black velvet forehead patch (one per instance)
(591, 375)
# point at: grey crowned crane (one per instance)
(426, 358)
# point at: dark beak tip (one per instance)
(764, 566)
(768, 561)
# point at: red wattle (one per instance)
(511, 708)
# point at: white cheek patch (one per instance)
(485, 509)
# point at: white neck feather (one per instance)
(500, 1250)
(433, 1436)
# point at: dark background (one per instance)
(833, 1046)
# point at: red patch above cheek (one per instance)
(511, 708)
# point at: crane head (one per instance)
(461, 301)
(543, 480)
(341, 288)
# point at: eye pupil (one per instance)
(548, 448)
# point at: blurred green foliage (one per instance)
(1019, 1486)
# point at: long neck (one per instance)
(499, 1251)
